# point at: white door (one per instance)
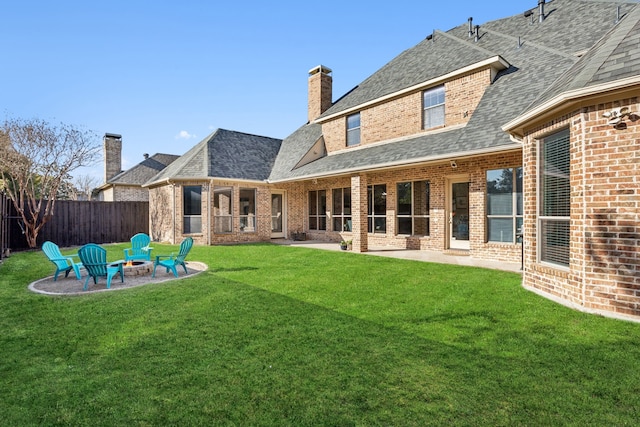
(277, 215)
(459, 215)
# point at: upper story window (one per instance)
(433, 107)
(192, 209)
(353, 129)
(504, 204)
(554, 195)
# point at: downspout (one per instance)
(210, 213)
(175, 213)
(584, 206)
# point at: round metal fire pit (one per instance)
(135, 268)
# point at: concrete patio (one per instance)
(411, 254)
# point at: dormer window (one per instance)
(433, 107)
(353, 129)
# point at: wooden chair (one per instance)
(139, 248)
(94, 259)
(62, 262)
(174, 261)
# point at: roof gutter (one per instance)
(407, 163)
(514, 127)
(497, 62)
(206, 178)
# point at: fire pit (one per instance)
(135, 268)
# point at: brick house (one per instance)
(119, 185)
(441, 148)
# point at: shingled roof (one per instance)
(225, 154)
(143, 171)
(538, 54)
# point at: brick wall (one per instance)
(402, 117)
(604, 271)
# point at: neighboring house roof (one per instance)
(537, 53)
(143, 171)
(224, 154)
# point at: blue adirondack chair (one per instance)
(62, 262)
(94, 259)
(139, 248)
(173, 261)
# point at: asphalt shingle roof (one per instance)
(225, 154)
(538, 53)
(143, 171)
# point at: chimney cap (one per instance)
(112, 135)
(320, 69)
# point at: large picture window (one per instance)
(504, 204)
(192, 209)
(413, 208)
(554, 195)
(341, 209)
(318, 210)
(433, 107)
(377, 208)
(353, 129)
(222, 209)
(248, 209)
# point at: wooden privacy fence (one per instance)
(5, 213)
(76, 223)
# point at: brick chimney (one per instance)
(112, 155)
(320, 87)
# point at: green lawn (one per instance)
(274, 335)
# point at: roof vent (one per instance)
(529, 14)
(146, 156)
(477, 33)
(540, 10)
(470, 27)
(618, 16)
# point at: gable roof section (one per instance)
(224, 154)
(613, 62)
(143, 171)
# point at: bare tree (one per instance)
(36, 158)
(84, 186)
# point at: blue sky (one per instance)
(166, 74)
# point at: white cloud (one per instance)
(184, 135)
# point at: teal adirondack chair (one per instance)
(139, 248)
(174, 261)
(94, 259)
(62, 262)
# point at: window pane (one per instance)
(247, 201)
(222, 197)
(556, 189)
(555, 241)
(380, 200)
(404, 226)
(500, 192)
(519, 193)
(380, 225)
(192, 224)
(347, 201)
(192, 200)
(434, 107)
(313, 203)
(337, 202)
(353, 129)
(421, 198)
(500, 229)
(421, 226)
(353, 121)
(404, 198)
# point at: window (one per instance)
(318, 210)
(433, 107)
(554, 195)
(342, 209)
(192, 209)
(504, 204)
(413, 208)
(222, 209)
(353, 129)
(248, 209)
(377, 208)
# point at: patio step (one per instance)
(456, 252)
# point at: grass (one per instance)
(274, 335)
